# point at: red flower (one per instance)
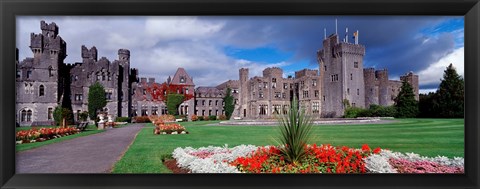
(376, 150)
(365, 147)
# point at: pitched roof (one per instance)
(182, 77)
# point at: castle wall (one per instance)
(209, 101)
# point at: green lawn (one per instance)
(91, 129)
(428, 137)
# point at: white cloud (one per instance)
(434, 72)
(183, 27)
(426, 91)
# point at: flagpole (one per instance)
(336, 29)
(346, 35)
(324, 33)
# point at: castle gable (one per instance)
(181, 77)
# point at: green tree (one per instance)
(62, 113)
(405, 103)
(229, 105)
(96, 100)
(451, 94)
(427, 105)
(173, 102)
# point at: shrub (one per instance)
(222, 117)
(173, 101)
(83, 116)
(141, 119)
(206, 118)
(194, 117)
(353, 112)
(59, 113)
(200, 118)
(212, 117)
(122, 119)
(295, 128)
(373, 111)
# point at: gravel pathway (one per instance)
(95, 153)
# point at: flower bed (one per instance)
(317, 159)
(40, 135)
(164, 125)
(171, 128)
(394, 162)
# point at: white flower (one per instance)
(217, 162)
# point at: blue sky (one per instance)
(213, 48)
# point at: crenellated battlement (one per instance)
(273, 72)
(50, 30)
(89, 54)
(124, 54)
(348, 48)
(306, 72)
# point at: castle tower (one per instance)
(43, 79)
(371, 89)
(124, 54)
(342, 65)
(89, 54)
(243, 100)
(48, 45)
(383, 84)
(412, 79)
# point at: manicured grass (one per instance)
(91, 129)
(427, 137)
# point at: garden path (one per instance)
(95, 153)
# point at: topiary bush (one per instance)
(222, 117)
(194, 117)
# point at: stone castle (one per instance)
(45, 81)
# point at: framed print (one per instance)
(312, 94)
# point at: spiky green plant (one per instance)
(295, 129)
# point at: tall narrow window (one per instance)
(29, 73)
(50, 113)
(19, 74)
(41, 91)
(50, 71)
(29, 115)
(23, 117)
(355, 64)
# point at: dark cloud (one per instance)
(392, 42)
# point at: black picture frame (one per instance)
(9, 9)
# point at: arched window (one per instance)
(41, 91)
(50, 71)
(29, 115)
(23, 116)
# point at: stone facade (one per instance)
(270, 95)
(45, 81)
(113, 76)
(142, 102)
(144, 105)
(209, 101)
